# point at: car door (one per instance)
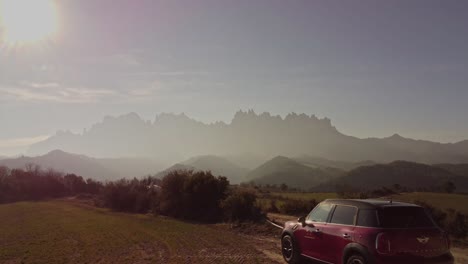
(338, 232)
(310, 237)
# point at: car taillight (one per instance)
(382, 244)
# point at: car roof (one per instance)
(369, 203)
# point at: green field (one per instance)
(71, 232)
(458, 202)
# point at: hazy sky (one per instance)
(374, 67)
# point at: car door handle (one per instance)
(346, 236)
(317, 231)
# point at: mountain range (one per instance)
(171, 138)
(99, 169)
(304, 173)
(321, 162)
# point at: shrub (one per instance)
(193, 195)
(130, 196)
(272, 207)
(240, 206)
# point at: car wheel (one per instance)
(356, 259)
(290, 250)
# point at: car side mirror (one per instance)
(303, 222)
(309, 224)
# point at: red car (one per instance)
(366, 232)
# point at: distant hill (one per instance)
(248, 161)
(218, 166)
(406, 174)
(171, 138)
(458, 169)
(285, 170)
(175, 167)
(321, 162)
(100, 169)
(3, 157)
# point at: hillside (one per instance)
(406, 174)
(248, 161)
(458, 169)
(171, 138)
(321, 162)
(175, 167)
(218, 166)
(56, 232)
(99, 169)
(285, 170)
(131, 167)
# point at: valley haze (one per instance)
(250, 137)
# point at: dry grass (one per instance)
(458, 202)
(70, 232)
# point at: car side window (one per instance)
(367, 217)
(320, 213)
(344, 215)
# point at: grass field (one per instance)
(70, 232)
(458, 202)
(67, 231)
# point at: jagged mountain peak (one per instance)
(165, 118)
(174, 137)
(396, 136)
(132, 116)
(58, 153)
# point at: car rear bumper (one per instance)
(443, 259)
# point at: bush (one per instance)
(193, 195)
(240, 206)
(134, 196)
(272, 207)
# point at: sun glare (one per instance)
(26, 21)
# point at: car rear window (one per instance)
(367, 217)
(404, 217)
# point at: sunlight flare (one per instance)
(27, 21)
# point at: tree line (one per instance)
(32, 183)
(184, 194)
